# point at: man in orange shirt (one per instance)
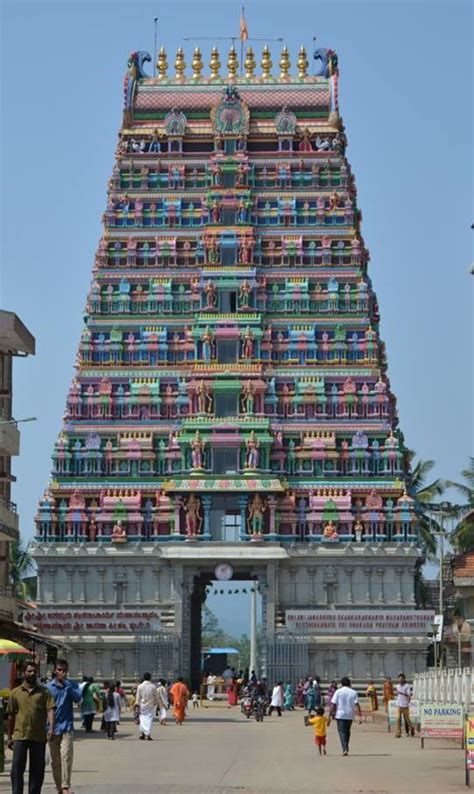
(179, 694)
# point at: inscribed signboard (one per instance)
(359, 621)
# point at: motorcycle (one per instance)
(258, 708)
(246, 706)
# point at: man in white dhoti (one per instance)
(277, 699)
(163, 700)
(146, 702)
(211, 686)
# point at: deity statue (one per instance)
(257, 509)
(305, 144)
(359, 530)
(192, 508)
(252, 455)
(204, 399)
(244, 294)
(119, 534)
(248, 344)
(207, 345)
(330, 531)
(215, 212)
(211, 295)
(197, 451)
(248, 397)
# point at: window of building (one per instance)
(226, 404)
(229, 255)
(225, 461)
(228, 301)
(227, 351)
(228, 216)
(232, 526)
(228, 179)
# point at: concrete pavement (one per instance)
(218, 751)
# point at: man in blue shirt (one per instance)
(61, 745)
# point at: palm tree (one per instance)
(424, 494)
(463, 535)
(20, 565)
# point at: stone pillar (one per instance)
(70, 589)
(369, 659)
(413, 656)
(368, 578)
(312, 585)
(39, 585)
(101, 596)
(136, 661)
(206, 528)
(271, 597)
(350, 663)
(138, 585)
(381, 573)
(271, 510)
(349, 594)
(82, 582)
(243, 513)
(80, 656)
(401, 661)
(177, 516)
(52, 573)
(382, 664)
(399, 573)
(98, 663)
(156, 574)
(293, 586)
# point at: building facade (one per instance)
(231, 414)
(15, 340)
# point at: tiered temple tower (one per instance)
(231, 400)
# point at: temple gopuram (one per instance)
(231, 416)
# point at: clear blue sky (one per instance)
(406, 99)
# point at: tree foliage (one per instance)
(463, 535)
(20, 563)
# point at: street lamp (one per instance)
(17, 421)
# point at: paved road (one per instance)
(218, 751)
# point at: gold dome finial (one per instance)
(180, 64)
(197, 64)
(162, 64)
(302, 63)
(266, 63)
(285, 64)
(215, 64)
(250, 63)
(232, 63)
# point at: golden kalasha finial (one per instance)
(215, 64)
(232, 63)
(197, 64)
(285, 64)
(180, 64)
(302, 63)
(162, 64)
(266, 63)
(250, 63)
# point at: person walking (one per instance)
(403, 692)
(388, 692)
(320, 722)
(344, 706)
(61, 745)
(30, 707)
(113, 704)
(289, 700)
(90, 699)
(146, 702)
(277, 699)
(163, 700)
(179, 695)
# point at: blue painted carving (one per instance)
(327, 62)
(135, 72)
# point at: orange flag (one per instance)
(244, 31)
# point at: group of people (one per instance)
(41, 714)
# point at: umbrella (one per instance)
(11, 651)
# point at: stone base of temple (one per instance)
(330, 611)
